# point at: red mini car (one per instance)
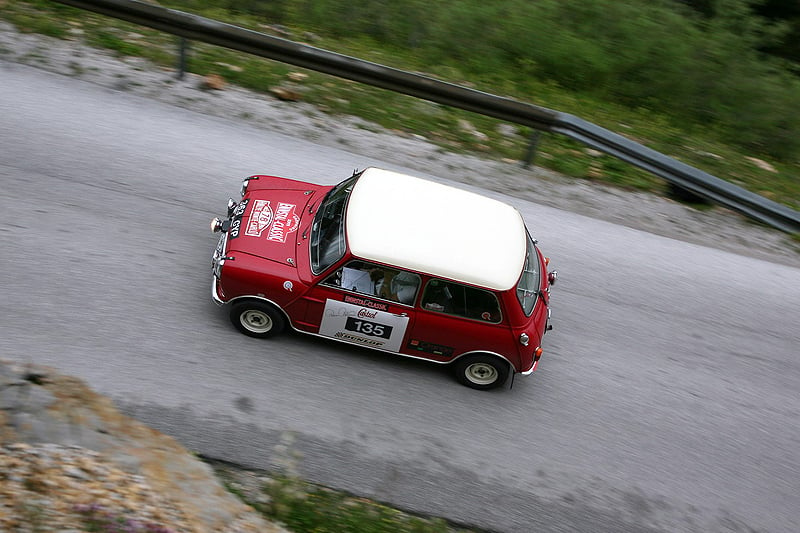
(390, 262)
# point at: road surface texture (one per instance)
(666, 399)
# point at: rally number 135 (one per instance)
(366, 327)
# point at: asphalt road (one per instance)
(666, 400)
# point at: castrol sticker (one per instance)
(260, 218)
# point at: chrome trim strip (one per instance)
(214, 295)
(367, 347)
(219, 252)
(531, 369)
(402, 354)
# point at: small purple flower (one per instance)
(156, 528)
(133, 526)
(102, 520)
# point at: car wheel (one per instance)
(482, 372)
(257, 319)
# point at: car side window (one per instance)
(461, 300)
(376, 280)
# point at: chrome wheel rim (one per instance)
(481, 373)
(256, 321)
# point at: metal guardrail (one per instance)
(697, 182)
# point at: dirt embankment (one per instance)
(69, 458)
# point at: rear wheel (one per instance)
(257, 319)
(482, 372)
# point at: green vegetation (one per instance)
(694, 85)
(305, 507)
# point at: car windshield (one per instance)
(530, 281)
(327, 231)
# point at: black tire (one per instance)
(257, 319)
(482, 372)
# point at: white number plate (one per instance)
(362, 325)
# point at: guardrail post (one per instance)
(530, 154)
(538, 118)
(676, 192)
(183, 57)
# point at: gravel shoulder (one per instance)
(714, 227)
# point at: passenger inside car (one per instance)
(376, 280)
(438, 297)
(404, 286)
(461, 300)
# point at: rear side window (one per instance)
(461, 300)
(530, 281)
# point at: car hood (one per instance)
(266, 223)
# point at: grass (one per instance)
(304, 507)
(442, 125)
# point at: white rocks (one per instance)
(64, 446)
(760, 163)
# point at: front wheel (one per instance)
(482, 372)
(257, 319)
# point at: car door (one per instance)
(364, 303)
(453, 318)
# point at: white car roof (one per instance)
(439, 230)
